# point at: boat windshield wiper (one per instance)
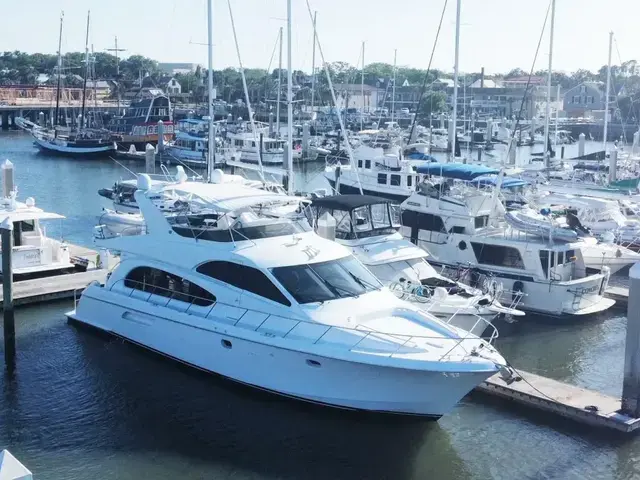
(364, 284)
(333, 288)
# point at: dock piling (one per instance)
(160, 136)
(613, 166)
(581, 139)
(6, 234)
(631, 380)
(635, 148)
(150, 159)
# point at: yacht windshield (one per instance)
(319, 282)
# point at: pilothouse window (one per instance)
(320, 282)
(245, 278)
(497, 255)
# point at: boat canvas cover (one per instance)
(507, 182)
(459, 171)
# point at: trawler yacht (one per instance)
(369, 226)
(268, 303)
(381, 172)
(465, 228)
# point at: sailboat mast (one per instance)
(55, 120)
(393, 93)
(455, 84)
(86, 72)
(362, 91)
(313, 65)
(211, 159)
(279, 88)
(289, 101)
(548, 107)
(606, 99)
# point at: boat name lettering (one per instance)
(413, 203)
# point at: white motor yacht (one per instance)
(34, 253)
(464, 228)
(369, 226)
(268, 303)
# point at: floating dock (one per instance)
(57, 287)
(619, 294)
(576, 403)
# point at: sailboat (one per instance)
(83, 140)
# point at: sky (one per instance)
(496, 34)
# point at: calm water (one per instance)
(84, 406)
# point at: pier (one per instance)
(57, 287)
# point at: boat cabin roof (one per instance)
(347, 202)
(20, 212)
(459, 171)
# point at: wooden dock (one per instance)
(619, 294)
(576, 403)
(57, 287)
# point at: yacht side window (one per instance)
(367, 164)
(361, 219)
(395, 180)
(497, 255)
(165, 284)
(245, 278)
(382, 178)
(380, 215)
(396, 215)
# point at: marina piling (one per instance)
(631, 381)
(613, 166)
(160, 137)
(635, 148)
(581, 139)
(150, 159)
(6, 234)
(305, 139)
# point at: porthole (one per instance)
(226, 343)
(462, 245)
(313, 363)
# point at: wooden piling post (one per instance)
(631, 381)
(6, 233)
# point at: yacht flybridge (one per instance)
(465, 228)
(369, 226)
(266, 302)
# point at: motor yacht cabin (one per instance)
(268, 303)
(369, 226)
(464, 229)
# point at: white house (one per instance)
(173, 87)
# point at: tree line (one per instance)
(23, 68)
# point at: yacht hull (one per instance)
(309, 377)
(56, 149)
(555, 299)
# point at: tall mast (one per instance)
(55, 120)
(279, 88)
(313, 64)
(211, 155)
(116, 50)
(555, 142)
(548, 108)
(455, 83)
(289, 100)
(362, 91)
(393, 93)
(606, 99)
(86, 72)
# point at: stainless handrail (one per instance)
(363, 331)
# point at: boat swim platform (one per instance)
(63, 286)
(579, 404)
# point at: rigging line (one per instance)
(426, 75)
(526, 88)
